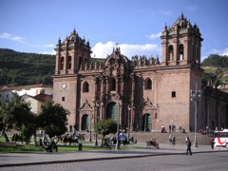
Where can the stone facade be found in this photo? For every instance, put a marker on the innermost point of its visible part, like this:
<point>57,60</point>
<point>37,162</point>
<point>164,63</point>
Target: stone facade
<point>140,94</point>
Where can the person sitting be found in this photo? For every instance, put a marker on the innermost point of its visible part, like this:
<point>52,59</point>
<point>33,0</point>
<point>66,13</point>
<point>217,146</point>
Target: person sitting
<point>106,144</point>
<point>48,148</point>
<point>154,143</point>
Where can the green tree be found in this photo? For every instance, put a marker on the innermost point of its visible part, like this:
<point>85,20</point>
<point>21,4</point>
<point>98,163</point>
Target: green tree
<point>29,128</point>
<point>53,119</point>
<point>15,112</point>
<point>105,127</point>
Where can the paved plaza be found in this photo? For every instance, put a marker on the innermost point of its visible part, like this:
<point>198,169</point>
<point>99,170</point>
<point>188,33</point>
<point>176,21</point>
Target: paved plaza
<point>20,159</point>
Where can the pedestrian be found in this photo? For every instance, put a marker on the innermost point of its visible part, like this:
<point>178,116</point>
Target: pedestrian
<point>189,144</point>
<point>212,143</point>
<point>170,139</point>
<point>174,140</point>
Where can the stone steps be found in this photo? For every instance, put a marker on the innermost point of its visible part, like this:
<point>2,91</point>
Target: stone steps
<point>162,137</point>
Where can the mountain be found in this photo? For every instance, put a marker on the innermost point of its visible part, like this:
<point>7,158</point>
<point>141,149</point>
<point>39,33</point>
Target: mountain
<point>20,68</point>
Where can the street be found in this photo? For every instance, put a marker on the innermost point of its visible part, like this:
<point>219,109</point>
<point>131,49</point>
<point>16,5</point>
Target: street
<point>198,161</point>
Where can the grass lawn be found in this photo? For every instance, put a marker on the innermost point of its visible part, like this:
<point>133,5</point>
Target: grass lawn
<point>12,147</point>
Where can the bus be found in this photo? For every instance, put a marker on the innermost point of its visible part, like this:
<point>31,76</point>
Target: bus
<point>221,138</point>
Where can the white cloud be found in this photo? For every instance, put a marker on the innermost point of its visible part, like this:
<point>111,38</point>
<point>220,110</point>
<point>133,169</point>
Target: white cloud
<point>49,45</point>
<point>154,36</point>
<point>220,51</point>
<point>12,37</point>
<point>101,50</point>
<point>49,52</point>
<point>203,57</point>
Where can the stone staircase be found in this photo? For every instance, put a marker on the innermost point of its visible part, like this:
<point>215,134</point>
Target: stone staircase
<point>162,138</point>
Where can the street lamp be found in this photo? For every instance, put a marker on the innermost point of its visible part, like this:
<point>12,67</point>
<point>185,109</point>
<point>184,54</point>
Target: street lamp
<point>195,95</point>
<point>128,132</point>
<point>97,118</point>
<point>96,142</point>
<point>90,136</point>
<point>117,137</point>
<point>118,132</point>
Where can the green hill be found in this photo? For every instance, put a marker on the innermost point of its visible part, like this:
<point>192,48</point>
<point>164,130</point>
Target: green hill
<point>19,68</point>
<point>215,70</point>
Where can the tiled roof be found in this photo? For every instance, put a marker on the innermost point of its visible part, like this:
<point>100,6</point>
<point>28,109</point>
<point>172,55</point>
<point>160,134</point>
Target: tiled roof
<point>24,87</point>
<point>43,97</point>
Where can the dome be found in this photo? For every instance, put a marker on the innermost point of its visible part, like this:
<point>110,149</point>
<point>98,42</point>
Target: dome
<point>75,38</point>
<point>117,56</point>
<point>181,22</point>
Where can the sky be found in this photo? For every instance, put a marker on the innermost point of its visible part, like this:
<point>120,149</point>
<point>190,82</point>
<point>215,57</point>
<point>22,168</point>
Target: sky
<point>133,25</point>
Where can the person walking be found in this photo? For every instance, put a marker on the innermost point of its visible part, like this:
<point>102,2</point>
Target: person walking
<point>212,143</point>
<point>189,144</point>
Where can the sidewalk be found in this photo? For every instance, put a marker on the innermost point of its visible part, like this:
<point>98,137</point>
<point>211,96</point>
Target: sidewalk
<point>16,159</point>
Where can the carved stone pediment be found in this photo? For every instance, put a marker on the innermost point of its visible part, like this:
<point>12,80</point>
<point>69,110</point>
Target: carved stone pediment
<point>86,106</point>
<point>148,105</point>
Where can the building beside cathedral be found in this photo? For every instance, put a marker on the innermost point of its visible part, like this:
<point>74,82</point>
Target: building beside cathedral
<point>141,94</point>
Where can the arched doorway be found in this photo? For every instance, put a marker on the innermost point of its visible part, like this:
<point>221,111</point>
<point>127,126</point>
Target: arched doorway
<point>85,122</point>
<point>112,111</point>
<point>147,122</point>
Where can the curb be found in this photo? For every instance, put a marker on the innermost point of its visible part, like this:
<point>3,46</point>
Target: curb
<point>101,158</point>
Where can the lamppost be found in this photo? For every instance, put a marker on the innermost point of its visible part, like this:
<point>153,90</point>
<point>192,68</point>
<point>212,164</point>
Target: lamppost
<point>90,136</point>
<point>96,142</point>
<point>118,132</point>
<point>128,132</point>
<point>195,95</point>
<point>97,118</point>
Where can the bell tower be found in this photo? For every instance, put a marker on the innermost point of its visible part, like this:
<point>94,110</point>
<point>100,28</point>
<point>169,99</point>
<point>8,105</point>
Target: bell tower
<point>181,44</point>
<point>72,54</point>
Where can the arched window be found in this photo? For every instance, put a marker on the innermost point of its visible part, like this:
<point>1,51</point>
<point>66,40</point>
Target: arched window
<point>61,63</point>
<point>170,56</point>
<point>148,84</point>
<point>69,62</point>
<point>112,84</point>
<point>85,87</point>
<point>181,52</point>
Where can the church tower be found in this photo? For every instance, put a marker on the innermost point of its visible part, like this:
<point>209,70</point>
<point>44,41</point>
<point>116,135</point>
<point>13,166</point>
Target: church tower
<point>72,54</point>
<point>181,43</point>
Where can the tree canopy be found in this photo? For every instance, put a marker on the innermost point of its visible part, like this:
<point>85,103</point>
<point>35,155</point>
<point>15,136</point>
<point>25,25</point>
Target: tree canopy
<point>53,119</point>
<point>20,68</point>
<point>15,112</point>
<point>105,127</point>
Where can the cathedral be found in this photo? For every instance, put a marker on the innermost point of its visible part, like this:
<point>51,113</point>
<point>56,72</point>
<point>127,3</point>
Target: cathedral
<point>141,94</point>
